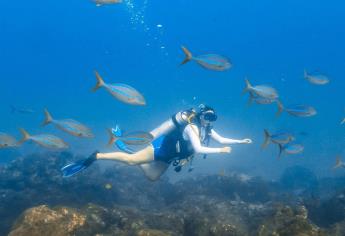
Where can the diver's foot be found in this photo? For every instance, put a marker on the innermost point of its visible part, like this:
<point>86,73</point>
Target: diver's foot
<point>74,168</point>
<point>91,159</point>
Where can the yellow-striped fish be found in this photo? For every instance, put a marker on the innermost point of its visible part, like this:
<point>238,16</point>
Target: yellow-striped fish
<point>262,91</point>
<point>70,126</point>
<point>122,92</point>
<point>296,110</point>
<point>106,2</point>
<point>108,186</point>
<point>339,163</point>
<point>209,61</point>
<point>44,140</point>
<point>7,141</point>
<point>316,79</point>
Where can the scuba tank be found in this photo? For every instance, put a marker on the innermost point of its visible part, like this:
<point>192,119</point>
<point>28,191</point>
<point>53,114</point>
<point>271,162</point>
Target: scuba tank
<point>183,118</point>
<point>177,121</point>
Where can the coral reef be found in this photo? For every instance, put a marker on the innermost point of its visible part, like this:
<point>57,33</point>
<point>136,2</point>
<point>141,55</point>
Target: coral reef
<point>117,200</point>
<point>212,218</point>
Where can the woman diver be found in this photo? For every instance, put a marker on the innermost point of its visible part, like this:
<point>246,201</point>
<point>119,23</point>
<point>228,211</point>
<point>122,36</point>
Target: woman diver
<point>175,142</point>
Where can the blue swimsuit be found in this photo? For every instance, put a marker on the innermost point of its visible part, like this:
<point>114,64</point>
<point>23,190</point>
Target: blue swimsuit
<point>166,147</point>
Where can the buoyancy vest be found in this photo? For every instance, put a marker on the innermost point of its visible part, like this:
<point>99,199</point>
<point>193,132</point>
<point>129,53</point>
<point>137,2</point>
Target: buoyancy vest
<point>173,146</point>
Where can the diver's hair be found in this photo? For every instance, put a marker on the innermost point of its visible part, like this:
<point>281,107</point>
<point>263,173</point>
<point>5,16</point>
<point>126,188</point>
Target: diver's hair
<point>192,116</point>
<point>203,110</point>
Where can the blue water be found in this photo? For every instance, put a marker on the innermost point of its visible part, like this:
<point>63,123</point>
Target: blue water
<point>49,50</point>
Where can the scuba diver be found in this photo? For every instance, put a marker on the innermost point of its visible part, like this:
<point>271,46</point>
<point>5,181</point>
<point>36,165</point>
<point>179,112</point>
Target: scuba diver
<point>175,142</point>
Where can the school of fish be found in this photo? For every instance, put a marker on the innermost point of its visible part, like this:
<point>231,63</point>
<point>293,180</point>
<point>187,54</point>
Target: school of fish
<point>258,94</point>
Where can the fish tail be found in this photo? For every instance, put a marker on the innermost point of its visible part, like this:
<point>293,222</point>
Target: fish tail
<point>47,117</point>
<point>281,149</point>
<point>100,82</point>
<point>305,73</point>
<point>267,138</point>
<point>188,55</point>
<point>338,163</point>
<point>25,136</point>
<point>250,99</point>
<point>280,108</point>
<point>112,137</point>
<point>114,134</point>
<point>117,131</point>
<point>248,85</point>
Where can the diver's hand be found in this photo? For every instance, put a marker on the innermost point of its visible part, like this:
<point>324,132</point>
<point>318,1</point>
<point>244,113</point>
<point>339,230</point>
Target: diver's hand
<point>226,150</point>
<point>246,141</point>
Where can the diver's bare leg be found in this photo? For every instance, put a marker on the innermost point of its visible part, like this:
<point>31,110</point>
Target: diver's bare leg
<point>154,169</point>
<point>143,156</point>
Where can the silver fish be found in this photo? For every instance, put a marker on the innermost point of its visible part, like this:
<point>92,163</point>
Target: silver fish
<point>45,140</point>
<point>106,2</point>
<point>122,92</point>
<point>259,100</point>
<point>15,109</point>
<point>290,148</point>
<point>7,141</point>
<point>133,138</point>
<point>339,163</point>
<point>342,122</point>
<point>137,138</point>
<point>262,91</point>
<point>208,61</point>
<point>278,138</point>
<point>317,79</point>
<point>70,126</point>
<point>297,110</point>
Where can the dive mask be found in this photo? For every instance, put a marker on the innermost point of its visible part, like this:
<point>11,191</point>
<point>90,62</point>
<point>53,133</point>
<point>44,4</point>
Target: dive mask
<point>209,116</point>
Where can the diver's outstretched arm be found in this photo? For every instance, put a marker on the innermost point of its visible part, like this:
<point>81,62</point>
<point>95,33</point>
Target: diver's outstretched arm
<point>141,157</point>
<point>193,135</point>
<point>223,140</point>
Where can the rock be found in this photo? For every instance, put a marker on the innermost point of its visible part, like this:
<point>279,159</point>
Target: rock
<point>8,155</point>
<point>154,232</point>
<point>285,221</point>
<point>300,181</point>
<point>330,211</point>
<point>233,204</point>
<point>94,219</point>
<point>337,229</point>
<point>91,220</point>
<point>42,220</point>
